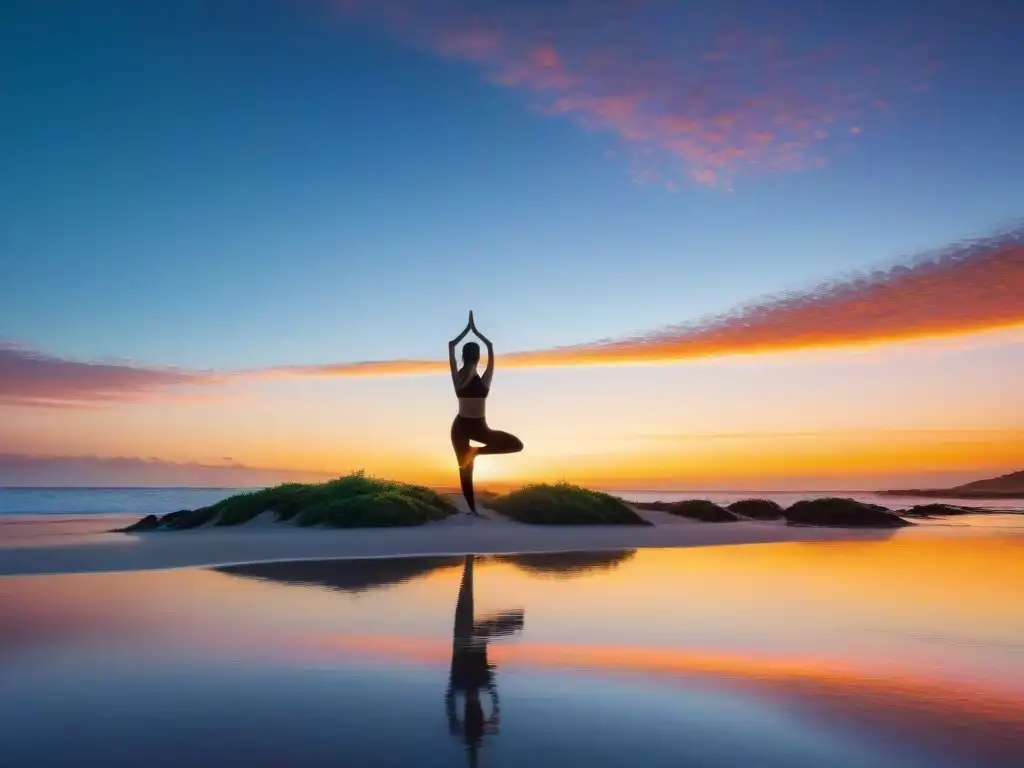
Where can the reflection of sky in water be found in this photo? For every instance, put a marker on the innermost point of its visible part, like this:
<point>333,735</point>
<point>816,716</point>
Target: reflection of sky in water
<point>880,653</point>
<point>122,713</point>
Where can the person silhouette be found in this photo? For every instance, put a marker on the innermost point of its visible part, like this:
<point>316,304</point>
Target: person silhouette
<point>471,674</point>
<point>471,424</point>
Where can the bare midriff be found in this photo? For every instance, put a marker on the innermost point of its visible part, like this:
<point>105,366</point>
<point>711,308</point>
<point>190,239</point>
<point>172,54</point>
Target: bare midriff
<point>472,407</point>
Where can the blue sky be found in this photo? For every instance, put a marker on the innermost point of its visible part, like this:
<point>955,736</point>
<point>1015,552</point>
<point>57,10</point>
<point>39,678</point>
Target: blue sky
<point>263,183</point>
<point>245,185</point>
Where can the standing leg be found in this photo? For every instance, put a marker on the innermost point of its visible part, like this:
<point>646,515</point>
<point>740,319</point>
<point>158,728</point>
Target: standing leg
<point>466,481</point>
<point>464,453</point>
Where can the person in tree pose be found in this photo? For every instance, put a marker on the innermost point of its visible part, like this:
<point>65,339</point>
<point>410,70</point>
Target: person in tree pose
<point>471,424</point>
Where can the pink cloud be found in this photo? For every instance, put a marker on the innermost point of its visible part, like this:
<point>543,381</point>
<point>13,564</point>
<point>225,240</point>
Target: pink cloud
<point>547,57</point>
<point>471,44</point>
<point>539,70</point>
<point>34,378</point>
<point>684,80</point>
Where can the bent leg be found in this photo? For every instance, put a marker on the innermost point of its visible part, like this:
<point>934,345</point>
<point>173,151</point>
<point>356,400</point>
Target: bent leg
<point>496,441</point>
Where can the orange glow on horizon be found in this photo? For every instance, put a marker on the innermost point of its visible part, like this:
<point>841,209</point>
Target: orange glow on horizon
<point>625,462</point>
<point>869,459</point>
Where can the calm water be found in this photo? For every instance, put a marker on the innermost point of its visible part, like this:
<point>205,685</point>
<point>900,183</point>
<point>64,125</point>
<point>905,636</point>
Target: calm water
<point>900,652</point>
<point>90,501</point>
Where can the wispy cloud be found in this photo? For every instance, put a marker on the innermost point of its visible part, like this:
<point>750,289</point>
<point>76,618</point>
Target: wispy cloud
<point>35,378</point>
<point>969,287</point>
<point>698,91</point>
<point>956,435</point>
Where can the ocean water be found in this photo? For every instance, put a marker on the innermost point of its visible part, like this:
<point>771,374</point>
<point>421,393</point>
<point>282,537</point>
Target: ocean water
<point>143,501</point>
<point>98,501</point>
<point>905,652</point>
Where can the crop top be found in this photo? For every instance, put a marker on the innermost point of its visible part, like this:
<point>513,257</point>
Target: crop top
<point>475,387</point>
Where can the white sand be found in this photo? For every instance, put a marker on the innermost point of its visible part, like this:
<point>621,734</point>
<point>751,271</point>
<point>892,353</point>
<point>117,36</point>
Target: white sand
<point>84,544</point>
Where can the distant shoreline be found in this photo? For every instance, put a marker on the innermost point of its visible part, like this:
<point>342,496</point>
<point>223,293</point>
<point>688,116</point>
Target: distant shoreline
<point>938,493</point>
<point>949,494</point>
<point>1009,486</point>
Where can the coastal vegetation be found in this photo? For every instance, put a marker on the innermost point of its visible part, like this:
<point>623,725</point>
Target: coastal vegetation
<point>564,504</point>
<point>352,501</point>
<point>360,501</point>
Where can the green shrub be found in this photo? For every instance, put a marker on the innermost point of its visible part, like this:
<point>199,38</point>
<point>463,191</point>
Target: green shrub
<point>385,509</point>
<point>564,504</point>
<point>285,500</point>
<point>353,501</point>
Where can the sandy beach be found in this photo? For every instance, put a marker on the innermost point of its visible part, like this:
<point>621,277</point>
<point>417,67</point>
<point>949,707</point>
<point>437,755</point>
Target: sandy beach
<point>36,545</point>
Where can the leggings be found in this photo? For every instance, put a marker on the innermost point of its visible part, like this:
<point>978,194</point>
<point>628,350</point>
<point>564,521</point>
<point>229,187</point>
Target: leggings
<point>494,441</point>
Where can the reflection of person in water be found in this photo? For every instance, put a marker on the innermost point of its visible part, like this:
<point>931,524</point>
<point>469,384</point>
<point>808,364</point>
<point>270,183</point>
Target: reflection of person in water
<point>471,675</point>
<point>471,424</point>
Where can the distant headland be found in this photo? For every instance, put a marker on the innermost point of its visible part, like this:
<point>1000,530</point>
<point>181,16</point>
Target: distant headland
<point>1009,486</point>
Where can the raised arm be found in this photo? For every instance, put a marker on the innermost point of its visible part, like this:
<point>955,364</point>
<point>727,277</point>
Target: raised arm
<point>489,372</point>
<point>452,364</point>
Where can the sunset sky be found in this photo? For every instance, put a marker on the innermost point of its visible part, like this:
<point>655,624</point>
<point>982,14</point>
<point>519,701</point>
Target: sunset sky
<point>717,245</point>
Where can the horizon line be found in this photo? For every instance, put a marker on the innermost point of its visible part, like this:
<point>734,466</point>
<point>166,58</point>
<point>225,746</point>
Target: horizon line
<point>435,487</point>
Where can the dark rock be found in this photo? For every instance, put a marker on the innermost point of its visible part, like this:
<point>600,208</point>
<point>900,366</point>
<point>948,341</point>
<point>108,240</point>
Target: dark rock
<point>703,510</point>
<point>877,507</point>
<point>657,506</point>
<point>695,509</point>
<point>168,520</point>
<point>935,510</point>
<point>758,509</point>
<point>844,513</point>
<point>148,523</point>
<point>188,518</point>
